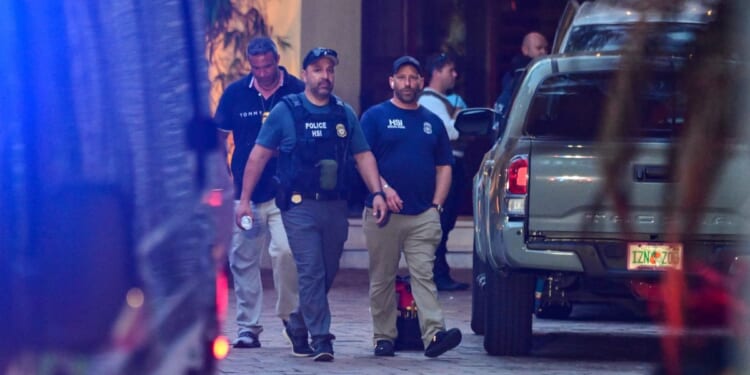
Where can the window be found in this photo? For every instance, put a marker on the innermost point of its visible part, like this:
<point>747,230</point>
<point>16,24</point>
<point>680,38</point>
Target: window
<point>663,38</point>
<point>573,106</point>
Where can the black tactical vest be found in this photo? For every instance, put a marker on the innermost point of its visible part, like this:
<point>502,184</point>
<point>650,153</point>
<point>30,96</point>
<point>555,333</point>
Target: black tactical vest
<point>318,161</point>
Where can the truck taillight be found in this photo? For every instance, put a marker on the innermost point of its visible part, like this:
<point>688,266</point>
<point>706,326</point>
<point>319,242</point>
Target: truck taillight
<point>516,186</point>
<point>518,175</point>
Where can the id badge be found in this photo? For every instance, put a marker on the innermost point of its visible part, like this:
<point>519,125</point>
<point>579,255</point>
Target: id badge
<point>263,117</point>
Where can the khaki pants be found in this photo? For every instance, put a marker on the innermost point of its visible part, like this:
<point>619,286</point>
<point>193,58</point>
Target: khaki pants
<point>244,261</point>
<point>416,236</point>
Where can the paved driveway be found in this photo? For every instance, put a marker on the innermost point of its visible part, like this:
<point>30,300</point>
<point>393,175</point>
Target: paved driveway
<point>602,346</point>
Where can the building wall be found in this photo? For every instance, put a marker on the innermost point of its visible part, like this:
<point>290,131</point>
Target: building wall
<point>336,24</point>
<point>297,26</point>
<point>283,18</point>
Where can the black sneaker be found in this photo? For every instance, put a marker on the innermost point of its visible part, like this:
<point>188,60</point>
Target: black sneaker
<point>442,342</point>
<point>384,348</point>
<point>246,339</point>
<point>300,346</point>
<point>323,348</point>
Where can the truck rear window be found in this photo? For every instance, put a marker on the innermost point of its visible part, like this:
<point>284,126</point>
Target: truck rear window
<point>663,38</point>
<point>573,105</point>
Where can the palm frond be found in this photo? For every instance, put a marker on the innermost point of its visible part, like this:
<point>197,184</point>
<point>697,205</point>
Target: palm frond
<point>217,12</point>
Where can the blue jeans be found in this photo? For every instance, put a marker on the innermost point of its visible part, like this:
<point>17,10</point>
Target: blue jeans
<point>317,231</point>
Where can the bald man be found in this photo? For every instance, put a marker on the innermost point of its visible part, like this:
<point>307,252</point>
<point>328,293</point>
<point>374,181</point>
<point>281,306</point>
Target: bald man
<point>534,45</point>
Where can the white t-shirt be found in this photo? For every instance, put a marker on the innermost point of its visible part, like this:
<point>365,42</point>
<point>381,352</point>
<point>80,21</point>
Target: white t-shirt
<point>436,106</point>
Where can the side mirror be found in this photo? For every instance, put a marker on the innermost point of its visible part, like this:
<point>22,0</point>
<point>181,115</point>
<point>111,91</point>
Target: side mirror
<point>475,121</point>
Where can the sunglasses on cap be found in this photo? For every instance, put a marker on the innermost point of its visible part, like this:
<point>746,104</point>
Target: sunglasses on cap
<point>319,52</point>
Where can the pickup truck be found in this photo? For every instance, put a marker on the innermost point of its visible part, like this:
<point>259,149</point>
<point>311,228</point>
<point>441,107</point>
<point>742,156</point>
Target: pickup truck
<point>557,202</point>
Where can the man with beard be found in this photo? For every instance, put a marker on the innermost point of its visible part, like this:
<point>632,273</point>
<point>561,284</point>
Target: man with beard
<point>242,109</point>
<point>316,135</point>
<point>413,152</point>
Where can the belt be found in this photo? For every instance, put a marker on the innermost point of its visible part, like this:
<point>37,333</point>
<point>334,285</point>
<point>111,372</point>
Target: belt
<point>322,196</point>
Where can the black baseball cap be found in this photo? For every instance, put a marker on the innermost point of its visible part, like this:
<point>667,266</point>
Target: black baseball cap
<point>406,60</point>
<point>318,53</point>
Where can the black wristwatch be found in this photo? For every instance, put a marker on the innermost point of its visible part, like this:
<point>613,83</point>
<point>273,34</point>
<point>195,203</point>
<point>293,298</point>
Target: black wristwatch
<point>380,193</point>
<point>438,207</point>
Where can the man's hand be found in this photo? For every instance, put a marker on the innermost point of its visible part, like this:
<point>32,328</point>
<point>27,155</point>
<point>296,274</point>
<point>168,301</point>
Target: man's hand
<point>393,200</point>
<point>243,209</point>
<point>379,208</point>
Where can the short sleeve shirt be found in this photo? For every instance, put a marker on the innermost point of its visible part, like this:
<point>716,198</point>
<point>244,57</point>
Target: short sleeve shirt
<point>279,129</point>
<point>240,111</point>
<point>437,106</point>
<point>408,146</point>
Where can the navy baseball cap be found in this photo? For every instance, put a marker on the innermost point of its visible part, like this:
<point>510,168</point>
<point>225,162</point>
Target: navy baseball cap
<point>318,53</point>
<point>406,60</point>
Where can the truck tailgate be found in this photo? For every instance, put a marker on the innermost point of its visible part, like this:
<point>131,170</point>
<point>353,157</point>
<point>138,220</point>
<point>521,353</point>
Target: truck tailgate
<point>566,183</point>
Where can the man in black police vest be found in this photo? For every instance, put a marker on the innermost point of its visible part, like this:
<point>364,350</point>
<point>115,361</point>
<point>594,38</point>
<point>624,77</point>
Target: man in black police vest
<point>316,134</point>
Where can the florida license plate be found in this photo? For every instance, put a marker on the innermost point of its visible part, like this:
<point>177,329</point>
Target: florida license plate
<point>654,256</point>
